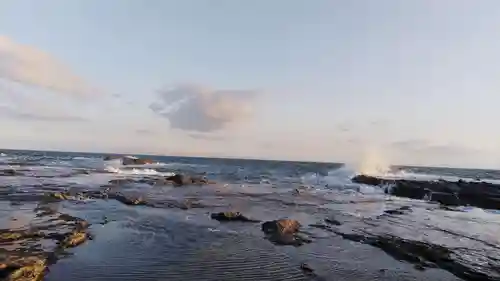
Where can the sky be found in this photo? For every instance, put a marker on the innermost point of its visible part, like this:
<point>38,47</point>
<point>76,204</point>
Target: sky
<point>402,82</point>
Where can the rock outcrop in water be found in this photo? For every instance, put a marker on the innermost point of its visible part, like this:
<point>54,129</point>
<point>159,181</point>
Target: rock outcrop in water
<point>25,253</point>
<point>180,180</point>
<point>130,160</point>
<point>479,194</point>
<point>231,216</point>
<point>284,232</point>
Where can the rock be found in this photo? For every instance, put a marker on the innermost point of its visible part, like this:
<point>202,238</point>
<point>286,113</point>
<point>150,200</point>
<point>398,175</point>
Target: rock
<point>332,221</point>
<point>306,269</point>
<point>128,201</point>
<point>74,239</point>
<point>231,216</point>
<point>281,226</point>
<point>363,179</point>
<point>460,193</point>
<point>26,252</point>
<point>398,211</point>
<point>60,196</point>
<point>284,232</point>
<point>22,268</point>
<point>180,180</point>
<point>130,160</point>
<point>120,181</point>
<point>8,172</point>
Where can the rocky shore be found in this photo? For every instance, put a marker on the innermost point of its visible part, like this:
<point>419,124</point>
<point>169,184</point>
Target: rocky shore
<point>460,193</point>
<point>39,226</point>
<point>27,251</point>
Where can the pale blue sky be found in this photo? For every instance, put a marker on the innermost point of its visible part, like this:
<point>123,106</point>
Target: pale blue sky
<point>412,81</point>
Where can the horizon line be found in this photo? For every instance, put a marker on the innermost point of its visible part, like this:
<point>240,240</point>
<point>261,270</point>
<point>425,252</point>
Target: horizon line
<point>237,158</point>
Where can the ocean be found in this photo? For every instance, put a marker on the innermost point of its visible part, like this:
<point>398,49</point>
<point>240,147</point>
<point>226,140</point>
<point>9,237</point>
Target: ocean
<point>352,231</point>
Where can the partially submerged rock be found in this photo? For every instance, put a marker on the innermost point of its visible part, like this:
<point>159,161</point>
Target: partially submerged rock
<point>17,267</point>
<point>474,193</point>
<point>8,172</point>
<point>180,179</point>
<point>25,253</point>
<point>126,200</point>
<point>284,232</point>
<point>231,216</point>
<point>130,160</point>
<point>74,239</point>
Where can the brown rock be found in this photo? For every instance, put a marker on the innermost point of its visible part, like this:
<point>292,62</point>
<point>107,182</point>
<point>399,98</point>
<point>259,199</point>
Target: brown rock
<point>281,226</point>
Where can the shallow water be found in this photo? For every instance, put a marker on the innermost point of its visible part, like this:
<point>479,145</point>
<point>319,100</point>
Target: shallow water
<point>164,241</point>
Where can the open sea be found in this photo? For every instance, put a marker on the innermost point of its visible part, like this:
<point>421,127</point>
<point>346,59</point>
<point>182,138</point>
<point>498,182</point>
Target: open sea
<point>166,240</point>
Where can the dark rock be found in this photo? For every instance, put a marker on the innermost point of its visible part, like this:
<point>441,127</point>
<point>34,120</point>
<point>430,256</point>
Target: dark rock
<point>398,211</point>
<point>121,181</point>
<point>128,201</point>
<point>332,221</point>
<point>447,199</point>
<point>421,254</point>
<point>136,161</point>
<point>306,269</point>
<point>180,180</point>
<point>479,194</point>
<point>108,158</point>
<point>363,179</point>
<point>8,172</point>
<point>231,216</point>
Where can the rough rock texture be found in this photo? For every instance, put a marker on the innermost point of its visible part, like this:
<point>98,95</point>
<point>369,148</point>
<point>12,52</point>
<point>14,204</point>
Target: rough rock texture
<point>479,194</point>
<point>284,232</point>
<point>231,216</point>
<point>180,179</point>
<point>25,253</point>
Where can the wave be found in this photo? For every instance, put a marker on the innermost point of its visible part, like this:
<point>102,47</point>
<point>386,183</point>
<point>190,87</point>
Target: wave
<point>136,171</point>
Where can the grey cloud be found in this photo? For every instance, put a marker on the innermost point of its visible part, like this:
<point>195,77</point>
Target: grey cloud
<point>30,66</point>
<point>203,136</point>
<point>145,132</point>
<point>419,145</point>
<point>202,110</point>
<point>18,114</point>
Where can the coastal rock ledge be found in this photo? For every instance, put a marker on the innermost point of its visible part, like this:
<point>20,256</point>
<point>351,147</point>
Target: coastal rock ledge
<point>459,193</point>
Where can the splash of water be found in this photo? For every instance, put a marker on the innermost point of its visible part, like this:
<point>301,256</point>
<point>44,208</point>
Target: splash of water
<point>373,163</point>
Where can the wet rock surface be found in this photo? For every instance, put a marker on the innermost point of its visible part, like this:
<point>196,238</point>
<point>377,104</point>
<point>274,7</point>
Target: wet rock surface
<point>231,216</point>
<point>284,232</point>
<point>474,193</point>
<point>26,251</point>
<point>147,228</point>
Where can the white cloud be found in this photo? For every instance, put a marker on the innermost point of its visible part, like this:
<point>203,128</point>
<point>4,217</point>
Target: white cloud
<point>197,109</point>
<point>30,66</point>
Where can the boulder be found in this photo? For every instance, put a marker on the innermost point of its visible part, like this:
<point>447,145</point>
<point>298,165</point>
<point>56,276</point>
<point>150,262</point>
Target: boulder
<point>284,232</point>
<point>180,179</point>
<point>129,160</point>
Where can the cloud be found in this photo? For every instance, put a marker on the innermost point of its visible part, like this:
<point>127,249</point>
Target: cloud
<point>30,66</point>
<point>23,115</point>
<point>204,136</point>
<point>424,152</point>
<point>196,109</point>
